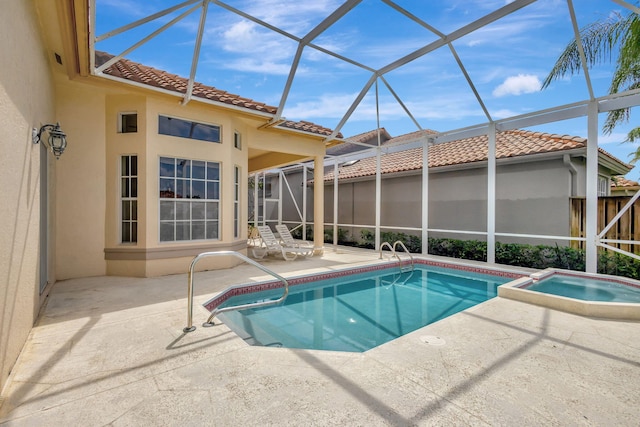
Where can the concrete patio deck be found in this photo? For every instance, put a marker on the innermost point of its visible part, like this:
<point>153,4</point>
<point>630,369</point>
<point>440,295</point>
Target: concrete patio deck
<point>111,351</point>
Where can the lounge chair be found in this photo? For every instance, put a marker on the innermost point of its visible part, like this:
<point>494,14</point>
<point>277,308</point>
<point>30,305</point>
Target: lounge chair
<point>287,239</point>
<point>270,245</point>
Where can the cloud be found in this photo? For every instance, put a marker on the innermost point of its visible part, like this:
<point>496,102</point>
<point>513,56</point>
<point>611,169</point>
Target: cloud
<point>335,105</point>
<point>328,105</point>
<point>517,85</point>
<point>296,20</point>
<point>504,113</point>
<point>246,47</point>
<point>615,138</point>
<point>252,65</point>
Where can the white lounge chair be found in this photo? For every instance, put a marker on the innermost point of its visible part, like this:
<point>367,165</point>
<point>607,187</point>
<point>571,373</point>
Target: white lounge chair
<point>287,239</point>
<point>270,245</point>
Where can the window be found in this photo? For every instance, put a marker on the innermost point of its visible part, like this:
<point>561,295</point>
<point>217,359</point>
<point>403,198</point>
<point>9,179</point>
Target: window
<point>186,129</point>
<point>129,199</point>
<point>603,186</point>
<point>267,187</point>
<point>237,143</point>
<point>189,199</point>
<point>128,123</point>
<point>236,202</point>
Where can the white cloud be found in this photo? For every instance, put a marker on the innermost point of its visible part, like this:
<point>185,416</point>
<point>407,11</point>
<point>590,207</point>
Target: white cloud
<point>328,105</point>
<point>335,105</point>
<point>517,85</point>
<point>613,138</point>
<point>252,65</point>
<point>246,47</point>
<point>504,114</point>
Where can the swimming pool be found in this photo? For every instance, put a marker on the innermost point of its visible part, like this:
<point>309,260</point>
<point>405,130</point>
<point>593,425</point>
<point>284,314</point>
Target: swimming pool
<point>356,311</point>
<point>580,293</point>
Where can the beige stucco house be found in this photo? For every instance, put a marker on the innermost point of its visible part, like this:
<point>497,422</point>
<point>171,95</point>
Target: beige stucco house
<point>146,182</point>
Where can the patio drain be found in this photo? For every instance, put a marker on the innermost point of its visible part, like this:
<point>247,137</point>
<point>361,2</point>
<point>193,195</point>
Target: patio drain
<point>432,340</point>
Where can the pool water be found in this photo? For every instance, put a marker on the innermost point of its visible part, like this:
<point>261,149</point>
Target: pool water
<point>359,312</point>
<point>587,289</point>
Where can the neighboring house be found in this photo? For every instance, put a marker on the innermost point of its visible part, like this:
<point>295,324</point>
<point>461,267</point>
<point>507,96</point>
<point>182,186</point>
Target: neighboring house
<point>537,174</point>
<point>149,178</point>
<point>621,186</point>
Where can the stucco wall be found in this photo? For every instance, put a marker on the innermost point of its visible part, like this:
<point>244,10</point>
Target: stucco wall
<point>26,101</point>
<point>80,181</point>
<point>457,201</point>
<point>531,198</point>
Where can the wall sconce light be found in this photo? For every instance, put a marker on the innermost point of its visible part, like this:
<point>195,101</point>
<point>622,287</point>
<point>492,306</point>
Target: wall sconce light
<point>57,140</point>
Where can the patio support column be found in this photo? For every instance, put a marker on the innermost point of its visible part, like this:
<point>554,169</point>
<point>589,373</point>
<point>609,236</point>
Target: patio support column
<point>304,202</point>
<point>318,205</point>
<point>335,203</point>
<point>378,195</point>
<point>425,195</point>
<point>281,178</point>
<point>256,208</point>
<point>491,194</point>
<point>591,232</point>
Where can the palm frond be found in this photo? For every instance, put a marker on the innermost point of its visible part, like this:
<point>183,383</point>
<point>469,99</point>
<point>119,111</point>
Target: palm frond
<point>598,39</point>
<point>633,136</point>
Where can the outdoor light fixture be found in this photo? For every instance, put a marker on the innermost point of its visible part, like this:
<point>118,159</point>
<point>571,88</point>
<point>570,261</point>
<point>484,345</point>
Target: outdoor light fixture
<point>57,140</point>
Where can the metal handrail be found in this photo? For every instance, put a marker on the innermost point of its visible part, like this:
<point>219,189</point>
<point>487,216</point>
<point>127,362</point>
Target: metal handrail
<point>405,249</point>
<point>394,254</point>
<point>190,327</point>
<point>387,244</point>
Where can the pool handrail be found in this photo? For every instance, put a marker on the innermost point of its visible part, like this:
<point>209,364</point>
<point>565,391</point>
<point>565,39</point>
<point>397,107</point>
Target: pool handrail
<point>215,312</point>
<point>387,244</point>
<point>394,253</point>
<point>406,250</point>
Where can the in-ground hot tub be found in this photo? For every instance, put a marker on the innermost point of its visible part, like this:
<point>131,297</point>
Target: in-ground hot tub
<point>586,294</point>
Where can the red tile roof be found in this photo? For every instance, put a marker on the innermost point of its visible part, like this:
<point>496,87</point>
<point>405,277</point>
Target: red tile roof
<point>512,143</point>
<point>622,182</point>
<point>138,73</point>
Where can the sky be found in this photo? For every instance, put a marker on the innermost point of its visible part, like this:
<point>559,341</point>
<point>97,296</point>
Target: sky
<point>506,61</point>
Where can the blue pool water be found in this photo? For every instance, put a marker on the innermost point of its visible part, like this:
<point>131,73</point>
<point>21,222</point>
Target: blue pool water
<point>586,288</point>
<point>359,312</point>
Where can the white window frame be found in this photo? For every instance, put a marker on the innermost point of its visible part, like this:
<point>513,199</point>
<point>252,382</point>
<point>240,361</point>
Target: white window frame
<point>129,198</point>
<point>237,140</point>
<point>604,186</point>
<point>120,121</point>
<point>219,141</point>
<point>209,205</point>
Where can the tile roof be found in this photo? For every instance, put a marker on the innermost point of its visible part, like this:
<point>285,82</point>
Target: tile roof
<point>622,182</point>
<point>307,127</point>
<point>365,137</point>
<point>370,138</point>
<point>138,73</point>
<point>509,144</point>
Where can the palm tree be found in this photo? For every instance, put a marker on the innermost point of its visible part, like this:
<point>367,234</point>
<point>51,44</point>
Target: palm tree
<point>618,35</point>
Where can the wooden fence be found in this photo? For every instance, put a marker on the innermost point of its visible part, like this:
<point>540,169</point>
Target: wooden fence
<point>626,228</point>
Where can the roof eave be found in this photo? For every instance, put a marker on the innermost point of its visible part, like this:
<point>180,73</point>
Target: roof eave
<point>181,95</point>
<point>244,110</point>
<point>617,167</point>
